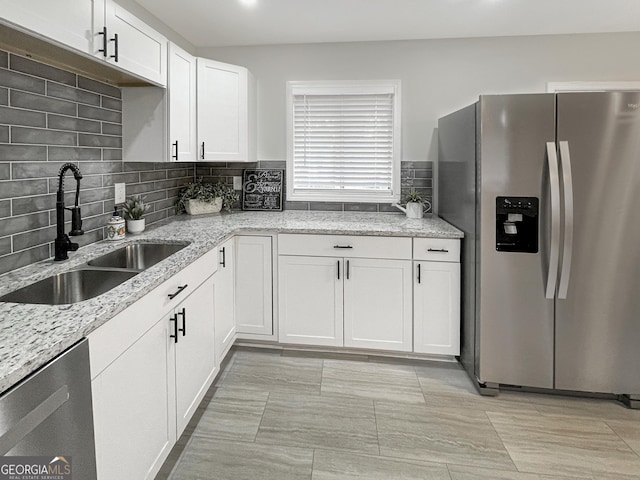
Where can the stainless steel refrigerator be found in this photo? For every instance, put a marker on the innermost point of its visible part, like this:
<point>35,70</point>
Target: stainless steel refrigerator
<point>545,187</point>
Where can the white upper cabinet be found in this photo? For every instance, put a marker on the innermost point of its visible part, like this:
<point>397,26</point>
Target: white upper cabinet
<point>182,105</point>
<point>98,28</point>
<point>225,124</point>
<point>126,41</point>
<point>67,22</point>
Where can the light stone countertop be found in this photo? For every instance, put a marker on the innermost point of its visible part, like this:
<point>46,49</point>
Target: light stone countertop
<point>32,335</point>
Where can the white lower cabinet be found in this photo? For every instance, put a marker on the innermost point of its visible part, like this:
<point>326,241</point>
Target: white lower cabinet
<point>224,281</point>
<point>254,285</point>
<point>150,367</point>
<point>195,360</point>
<point>134,410</point>
<point>377,304</point>
<point>353,301</point>
<point>436,306</point>
<point>310,300</point>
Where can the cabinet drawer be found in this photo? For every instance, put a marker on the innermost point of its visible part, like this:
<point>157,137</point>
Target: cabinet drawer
<point>192,276</point>
<point>352,246</point>
<point>436,249</point>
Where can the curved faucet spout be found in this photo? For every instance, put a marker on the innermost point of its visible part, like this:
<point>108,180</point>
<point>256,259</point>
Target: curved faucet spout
<point>63,244</point>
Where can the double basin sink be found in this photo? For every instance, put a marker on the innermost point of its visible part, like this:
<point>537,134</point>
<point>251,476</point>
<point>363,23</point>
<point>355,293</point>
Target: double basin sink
<point>98,276</point>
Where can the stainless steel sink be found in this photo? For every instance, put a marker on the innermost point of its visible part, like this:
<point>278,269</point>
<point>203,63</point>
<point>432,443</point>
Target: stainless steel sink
<point>137,256</point>
<point>69,287</point>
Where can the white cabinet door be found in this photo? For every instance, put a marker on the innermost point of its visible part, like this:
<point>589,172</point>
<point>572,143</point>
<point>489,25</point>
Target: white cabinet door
<point>225,323</point>
<point>182,105</point>
<point>254,285</point>
<point>134,409</point>
<point>436,300</point>
<point>223,116</point>
<point>310,300</point>
<point>195,358</point>
<point>132,44</point>
<point>68,22</point>
<point>377,304</point>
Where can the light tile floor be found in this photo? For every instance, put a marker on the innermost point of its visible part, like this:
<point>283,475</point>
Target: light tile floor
<point>287,415</point>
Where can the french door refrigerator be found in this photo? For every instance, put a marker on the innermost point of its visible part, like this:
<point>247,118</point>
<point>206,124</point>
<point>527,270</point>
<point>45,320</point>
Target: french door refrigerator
<point>545,187</point>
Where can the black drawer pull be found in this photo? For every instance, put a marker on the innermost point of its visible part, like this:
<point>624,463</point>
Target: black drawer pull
<point>184,321</point>
<point>103,50</point>
<point>440,250</point>
<point>418,273</point>
<point>347,269</point>
<point>178,292</point>
<point>342,246</point>
<point>338,269</point>
<point>175,157</point>
<point>115,40</point>
<point>174,319</point>
<point>224,257</point>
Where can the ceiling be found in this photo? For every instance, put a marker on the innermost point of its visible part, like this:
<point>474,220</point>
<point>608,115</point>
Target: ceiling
<point>211,23</point>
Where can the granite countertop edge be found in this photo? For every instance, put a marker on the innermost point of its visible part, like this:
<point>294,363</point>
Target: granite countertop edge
<point>32,335</point>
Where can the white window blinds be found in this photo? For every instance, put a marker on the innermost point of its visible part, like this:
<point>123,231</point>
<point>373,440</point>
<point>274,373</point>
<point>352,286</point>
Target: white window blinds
<point>343,142</point>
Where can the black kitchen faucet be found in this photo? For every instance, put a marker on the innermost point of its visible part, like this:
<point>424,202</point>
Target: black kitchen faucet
<point>63,244</point>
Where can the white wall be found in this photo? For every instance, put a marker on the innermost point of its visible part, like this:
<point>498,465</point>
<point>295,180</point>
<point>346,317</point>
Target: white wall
<point>438,76</point>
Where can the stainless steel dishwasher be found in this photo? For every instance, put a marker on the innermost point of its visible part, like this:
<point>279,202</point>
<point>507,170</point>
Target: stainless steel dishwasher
<point>49,414</point>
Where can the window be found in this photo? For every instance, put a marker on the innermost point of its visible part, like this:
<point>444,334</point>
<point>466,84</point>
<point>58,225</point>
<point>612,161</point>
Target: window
<point>343,141</point>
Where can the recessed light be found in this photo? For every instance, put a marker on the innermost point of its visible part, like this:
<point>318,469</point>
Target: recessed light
<point>248,3</point>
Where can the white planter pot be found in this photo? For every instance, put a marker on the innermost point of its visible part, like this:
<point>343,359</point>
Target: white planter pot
<point>415,210</point>
<point>135,226</point>
<point>198,207</point>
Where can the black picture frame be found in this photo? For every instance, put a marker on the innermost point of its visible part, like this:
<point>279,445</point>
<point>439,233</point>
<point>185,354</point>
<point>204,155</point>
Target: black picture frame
<point>262,189</point>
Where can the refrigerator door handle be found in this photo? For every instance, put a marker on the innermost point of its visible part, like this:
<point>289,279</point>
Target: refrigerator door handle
<point>554,257</point>
<point>567,248</point>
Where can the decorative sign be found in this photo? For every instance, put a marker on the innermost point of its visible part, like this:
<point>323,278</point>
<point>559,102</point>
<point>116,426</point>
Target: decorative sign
<point>262,189</point>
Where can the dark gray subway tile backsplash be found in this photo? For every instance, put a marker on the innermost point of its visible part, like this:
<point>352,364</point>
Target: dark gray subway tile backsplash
<point>48,117</point>
<point>414,176</point>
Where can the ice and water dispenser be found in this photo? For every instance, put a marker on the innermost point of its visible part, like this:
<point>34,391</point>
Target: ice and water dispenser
<point>517,224</point>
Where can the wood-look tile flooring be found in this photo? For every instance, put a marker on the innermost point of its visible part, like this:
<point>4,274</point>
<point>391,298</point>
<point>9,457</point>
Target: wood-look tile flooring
<point>281,415</point>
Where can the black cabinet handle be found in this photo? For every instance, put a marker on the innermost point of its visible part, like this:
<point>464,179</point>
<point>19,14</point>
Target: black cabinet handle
<point>202,156</point>
<point>342,246</point>
<point>174,319</point>
<point>224,258</point>
<point>175,156</point>
<point>178,292</point>
<point>115,41</point>
<point>347,269</point>
<point>418,273</point>
<point>183,313</point>
<point>338,269</point>
<point>440,250</point>
<point>103,50</point>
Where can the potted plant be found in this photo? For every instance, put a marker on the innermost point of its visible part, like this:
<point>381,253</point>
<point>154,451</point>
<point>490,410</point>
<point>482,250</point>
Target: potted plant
<point>134,209</point>
<point>415,205</point>
<point>201,197</point>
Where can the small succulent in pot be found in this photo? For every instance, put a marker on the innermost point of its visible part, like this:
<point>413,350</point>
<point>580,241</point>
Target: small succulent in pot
<point>415,205</point>
<point>134,208</point>
<point>216,195</point>
<point>413,196</point>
